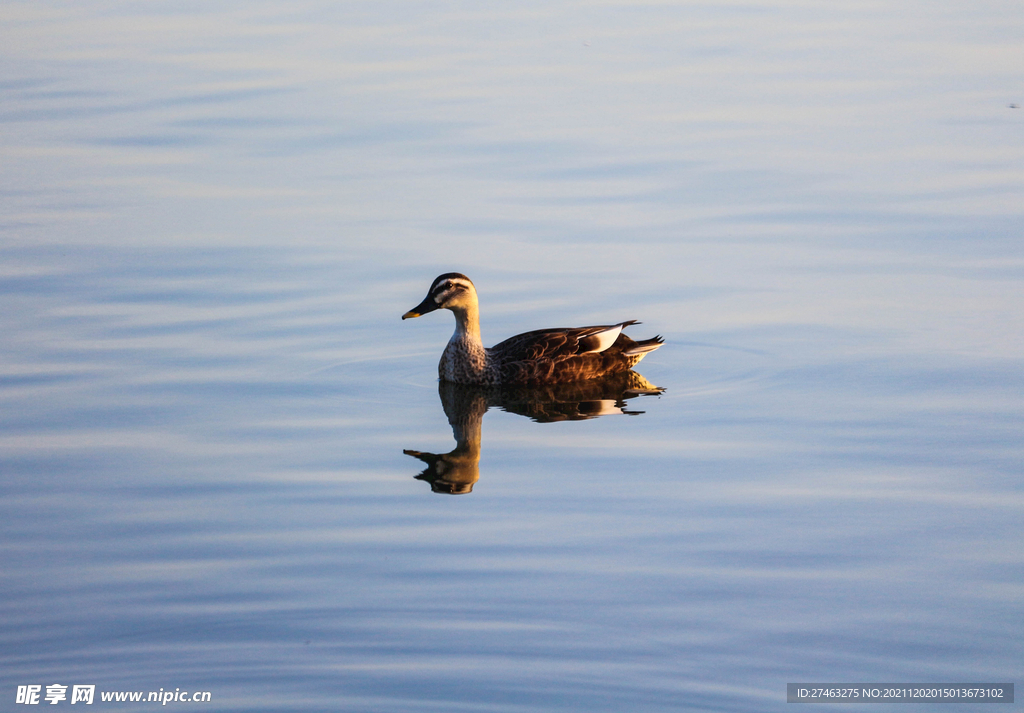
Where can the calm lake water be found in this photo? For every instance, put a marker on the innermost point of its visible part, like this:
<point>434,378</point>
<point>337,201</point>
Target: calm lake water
<point>214,215</point>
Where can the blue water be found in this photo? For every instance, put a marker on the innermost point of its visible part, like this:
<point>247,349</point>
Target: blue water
<point>214,216</point>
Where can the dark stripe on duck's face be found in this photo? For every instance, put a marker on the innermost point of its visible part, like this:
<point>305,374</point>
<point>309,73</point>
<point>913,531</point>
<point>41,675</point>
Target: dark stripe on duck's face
<point>447,279</point>
<point>444,291</point>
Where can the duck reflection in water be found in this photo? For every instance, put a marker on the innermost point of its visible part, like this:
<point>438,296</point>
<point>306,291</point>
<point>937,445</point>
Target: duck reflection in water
<point>456,472</point>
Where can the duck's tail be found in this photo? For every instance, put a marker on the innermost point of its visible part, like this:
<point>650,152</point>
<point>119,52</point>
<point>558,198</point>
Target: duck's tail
<point>642,348</point>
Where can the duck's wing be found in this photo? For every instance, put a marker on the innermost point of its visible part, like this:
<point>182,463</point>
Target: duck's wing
<point>544,344</point>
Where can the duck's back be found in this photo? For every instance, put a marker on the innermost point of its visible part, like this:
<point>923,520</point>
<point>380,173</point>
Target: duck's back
<point>558,356</point>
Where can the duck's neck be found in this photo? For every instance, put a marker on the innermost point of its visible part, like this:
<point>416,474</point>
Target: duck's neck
<point>467,324</point>
<point>465,360</point>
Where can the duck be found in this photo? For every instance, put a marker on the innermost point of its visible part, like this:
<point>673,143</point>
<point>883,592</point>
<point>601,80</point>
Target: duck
<point>543,356</point>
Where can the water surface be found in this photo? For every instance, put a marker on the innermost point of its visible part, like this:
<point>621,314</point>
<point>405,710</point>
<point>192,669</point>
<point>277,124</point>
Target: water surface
<point>215,216</point>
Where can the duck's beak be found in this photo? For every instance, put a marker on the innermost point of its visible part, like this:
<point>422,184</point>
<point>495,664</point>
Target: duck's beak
<point>427,305</point>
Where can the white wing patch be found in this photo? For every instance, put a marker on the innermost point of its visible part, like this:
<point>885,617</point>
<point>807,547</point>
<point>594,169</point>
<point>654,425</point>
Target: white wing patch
<point>605,338</point>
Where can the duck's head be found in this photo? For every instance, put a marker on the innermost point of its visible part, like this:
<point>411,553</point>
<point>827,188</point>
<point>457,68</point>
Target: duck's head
<point>452,290</point>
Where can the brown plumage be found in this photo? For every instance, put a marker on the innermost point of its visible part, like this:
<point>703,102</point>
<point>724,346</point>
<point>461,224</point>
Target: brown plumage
<point>544,356</point>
